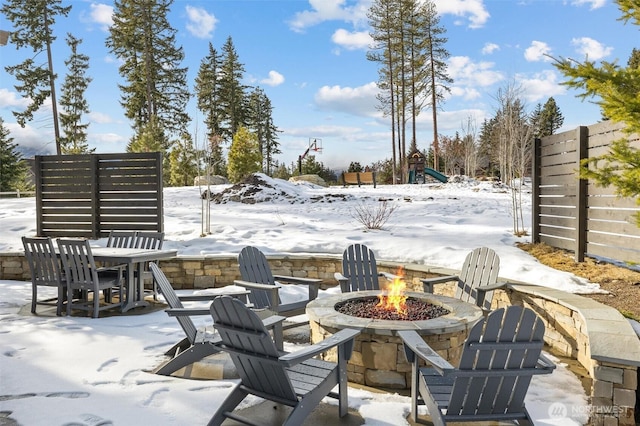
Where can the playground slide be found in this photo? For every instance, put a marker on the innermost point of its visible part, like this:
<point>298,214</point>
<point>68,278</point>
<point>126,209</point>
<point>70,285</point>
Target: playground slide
<point>439,176</point>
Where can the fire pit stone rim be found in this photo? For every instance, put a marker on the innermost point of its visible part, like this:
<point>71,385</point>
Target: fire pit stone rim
<point>461,317</point>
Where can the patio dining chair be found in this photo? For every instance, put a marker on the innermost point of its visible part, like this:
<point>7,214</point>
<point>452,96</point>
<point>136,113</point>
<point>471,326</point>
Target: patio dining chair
<point>85,277</point>
<point>45,269</point>
<point>121,239</point>
<point>149,240</point>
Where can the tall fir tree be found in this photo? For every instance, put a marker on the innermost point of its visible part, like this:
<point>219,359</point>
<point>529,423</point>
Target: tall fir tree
<point>12,166</point>
<point>207,91</point>
<point>233,99</point>
<point>260,122</point>
<point>33,23</point>
<point>73,102</point>
<point>155,85</point>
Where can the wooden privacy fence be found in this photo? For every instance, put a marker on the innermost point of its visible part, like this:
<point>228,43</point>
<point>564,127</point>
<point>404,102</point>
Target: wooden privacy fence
<point>91,194</point>
<point>575,214</point>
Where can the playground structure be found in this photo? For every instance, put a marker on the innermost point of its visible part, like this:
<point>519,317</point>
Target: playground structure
<point>418,169</point>
<point>315,144</point>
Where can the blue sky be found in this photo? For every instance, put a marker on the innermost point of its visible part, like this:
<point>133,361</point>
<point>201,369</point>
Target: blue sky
<point>309,57</point>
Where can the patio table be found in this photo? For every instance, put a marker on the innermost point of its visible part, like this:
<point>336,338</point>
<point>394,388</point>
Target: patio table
<point>134,259</point>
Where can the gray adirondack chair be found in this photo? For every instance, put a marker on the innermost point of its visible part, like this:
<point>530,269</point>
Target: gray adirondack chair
<point>477,280</point>
<point>359,270</point>
<point>197,343</point>
<point>264,286</point>
<point>499,358</point>
<point>293,379</point>
<point>45,269</point>
<point>85,277</point>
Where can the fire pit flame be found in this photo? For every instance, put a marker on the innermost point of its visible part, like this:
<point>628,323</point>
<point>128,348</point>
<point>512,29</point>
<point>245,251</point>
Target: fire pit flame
<point>394,299</point>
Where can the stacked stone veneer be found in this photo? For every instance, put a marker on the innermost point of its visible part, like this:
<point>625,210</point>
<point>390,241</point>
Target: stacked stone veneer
<point>597,336</point>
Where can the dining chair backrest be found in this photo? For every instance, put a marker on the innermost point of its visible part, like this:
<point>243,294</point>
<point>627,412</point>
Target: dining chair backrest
<point>43,261</point>
<point>122,239</point>
<point>149,240</point>
<point>44,267</point>
<point>79,264</point>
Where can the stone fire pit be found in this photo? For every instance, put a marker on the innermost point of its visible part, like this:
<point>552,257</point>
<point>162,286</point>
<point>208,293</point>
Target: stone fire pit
<point>378,357</point>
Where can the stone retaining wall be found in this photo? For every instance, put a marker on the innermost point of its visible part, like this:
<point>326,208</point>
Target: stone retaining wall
<point>597,336</point>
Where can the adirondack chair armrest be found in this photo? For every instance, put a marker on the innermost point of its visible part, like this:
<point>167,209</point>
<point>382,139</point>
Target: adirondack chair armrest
<point>272,290</point>
<point>427,283</point>
<point>343,337</point>
<point>390,276</point>
<point>414,345</point>
<point>239,294</point>
<point>491,287</point>
<point>313,283</point>
<point>343,281</point>
<point>297,280</point>
<point>187,312</point>
<point>545,365</point>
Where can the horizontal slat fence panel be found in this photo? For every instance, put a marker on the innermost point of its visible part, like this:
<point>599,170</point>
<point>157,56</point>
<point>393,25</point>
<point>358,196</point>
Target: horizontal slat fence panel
<point>90,195</point>
<point>576,215</point>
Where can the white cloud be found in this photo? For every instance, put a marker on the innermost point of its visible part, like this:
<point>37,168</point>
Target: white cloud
<point>102,14</point>
<point>541,86</point>
<point>537,51</point>
<point>329,10</point>
<point>595,4</point>
<point>201,23</point>
<point>590,48</point>
<point>274,79</point>
<point>468,74</point>
<point>473,10</point>
<point>40,140</point>
<point>360,101</point>
<point>9,99</point>
<point>352,40</point>
<point>100,118</point>
<point>101,139</point>
<point>489,48</point>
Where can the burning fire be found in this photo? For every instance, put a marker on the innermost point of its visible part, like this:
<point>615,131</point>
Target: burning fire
<point>394,299</point>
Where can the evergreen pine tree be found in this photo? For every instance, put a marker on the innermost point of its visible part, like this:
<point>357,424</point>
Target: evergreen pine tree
<point>183,162</point>
<point>244,155</point>
<point>155,85</point>
<point>73,102</point>
<point>12,167</point>
<point>233,99</point>
<point>260,122</point>
<point>33,22</point>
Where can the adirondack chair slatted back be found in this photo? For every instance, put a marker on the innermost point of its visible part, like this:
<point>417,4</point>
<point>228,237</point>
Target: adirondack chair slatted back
<point>252,350</point>
<point>45,269</point>
<point>510,339</point>
<point>149,240</point>
<point>121,239</point>
<point>359,266</point>
<point>480,267</point>
<point>170,296</point>
<point>255,268</point>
